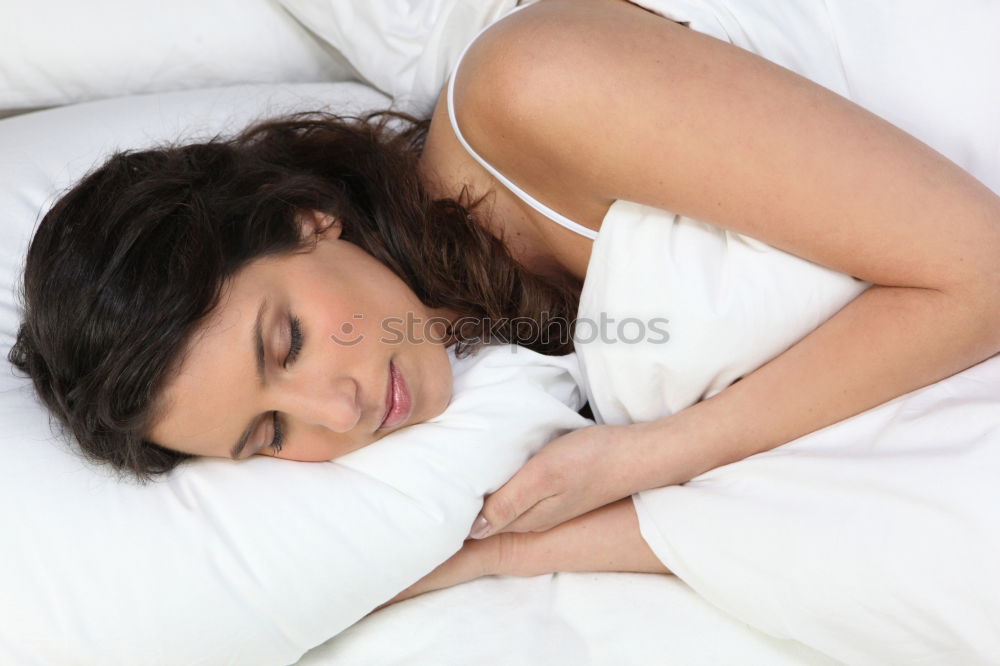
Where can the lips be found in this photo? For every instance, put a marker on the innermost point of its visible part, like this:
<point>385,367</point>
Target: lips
<point>398,403</point>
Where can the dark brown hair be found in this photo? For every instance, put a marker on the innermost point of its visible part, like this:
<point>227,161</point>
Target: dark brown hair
<point>127,263</point>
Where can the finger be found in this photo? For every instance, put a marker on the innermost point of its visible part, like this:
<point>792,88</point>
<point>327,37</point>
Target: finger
<point>513,499</point>
<point>540,518</point>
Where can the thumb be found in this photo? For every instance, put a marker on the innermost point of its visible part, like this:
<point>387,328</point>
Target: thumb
<point>504,506</point>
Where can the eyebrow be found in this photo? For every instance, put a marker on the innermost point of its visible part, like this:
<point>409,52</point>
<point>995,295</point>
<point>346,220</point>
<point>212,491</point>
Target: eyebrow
<point>257,340</point>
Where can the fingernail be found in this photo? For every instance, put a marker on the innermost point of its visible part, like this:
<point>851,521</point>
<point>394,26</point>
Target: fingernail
<point>480,528</point>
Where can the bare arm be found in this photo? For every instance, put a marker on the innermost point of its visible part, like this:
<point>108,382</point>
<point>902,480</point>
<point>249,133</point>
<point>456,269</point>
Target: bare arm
<point>606,539</point>
<point>604,101</point>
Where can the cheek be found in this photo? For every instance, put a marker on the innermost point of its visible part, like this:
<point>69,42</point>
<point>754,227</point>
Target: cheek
<point>320,449</point>
<point>355,329</point>
<point>309,455</point>
<point>339,318</point>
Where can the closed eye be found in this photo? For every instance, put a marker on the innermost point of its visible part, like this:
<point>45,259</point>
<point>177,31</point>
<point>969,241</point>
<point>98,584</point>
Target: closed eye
<point>295,346</point>
<point>279,434</point>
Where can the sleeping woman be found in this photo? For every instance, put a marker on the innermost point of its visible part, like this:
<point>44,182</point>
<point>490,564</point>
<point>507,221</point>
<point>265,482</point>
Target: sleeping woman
<point>291,291</point>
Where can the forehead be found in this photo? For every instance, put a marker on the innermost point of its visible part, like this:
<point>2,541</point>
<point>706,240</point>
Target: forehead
<point>214,374</point>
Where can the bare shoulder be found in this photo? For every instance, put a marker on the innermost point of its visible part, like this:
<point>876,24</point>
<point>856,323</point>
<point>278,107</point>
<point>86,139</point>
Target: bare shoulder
<point>532,81</point>
<point>600,100</point>
<point>525,56</point>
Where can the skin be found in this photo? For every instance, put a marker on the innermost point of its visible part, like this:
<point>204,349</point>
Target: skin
<point>332,398</point>
<point>601,101</point>
<point>606,539</point>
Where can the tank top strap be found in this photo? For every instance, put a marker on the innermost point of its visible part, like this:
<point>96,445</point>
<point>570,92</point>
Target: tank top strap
<point>561,220</point>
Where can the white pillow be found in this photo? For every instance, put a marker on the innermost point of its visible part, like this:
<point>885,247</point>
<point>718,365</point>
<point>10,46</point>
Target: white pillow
<point>246,563</point>
<point>55,52</point>
<point>675,310</point>
<point>405,48</point>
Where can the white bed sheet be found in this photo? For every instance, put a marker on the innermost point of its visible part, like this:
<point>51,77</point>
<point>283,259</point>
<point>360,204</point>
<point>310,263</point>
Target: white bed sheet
<point>567,619</point>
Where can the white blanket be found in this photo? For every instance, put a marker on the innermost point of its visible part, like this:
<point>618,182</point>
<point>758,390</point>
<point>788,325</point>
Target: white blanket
<point>874,540</point>
<point>576,619</point>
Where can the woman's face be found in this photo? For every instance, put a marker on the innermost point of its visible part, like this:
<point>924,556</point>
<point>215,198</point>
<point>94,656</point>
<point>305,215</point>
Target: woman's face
<point>330,342</point>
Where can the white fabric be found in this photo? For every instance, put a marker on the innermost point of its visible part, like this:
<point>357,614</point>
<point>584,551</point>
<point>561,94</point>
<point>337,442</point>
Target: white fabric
<point>251,562</point>
<point>566,619</point>
<point>55,52</point>
<point>706,304</point>
<point>873,540</point>
<point>405,48</point>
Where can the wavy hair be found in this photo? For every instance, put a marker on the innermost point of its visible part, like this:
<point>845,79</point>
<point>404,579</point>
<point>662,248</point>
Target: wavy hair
<point>126,264</point>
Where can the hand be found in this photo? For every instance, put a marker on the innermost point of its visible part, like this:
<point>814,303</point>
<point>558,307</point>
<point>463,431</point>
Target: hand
<point>573,474</point>
<point>606,539</point>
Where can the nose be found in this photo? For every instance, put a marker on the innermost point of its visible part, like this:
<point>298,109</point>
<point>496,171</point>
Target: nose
<point>330,403</point>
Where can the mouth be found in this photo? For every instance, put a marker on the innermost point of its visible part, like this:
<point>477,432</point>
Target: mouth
<point>398,403</point>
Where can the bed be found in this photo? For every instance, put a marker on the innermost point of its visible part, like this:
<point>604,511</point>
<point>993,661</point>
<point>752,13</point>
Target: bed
<point>139,72</point>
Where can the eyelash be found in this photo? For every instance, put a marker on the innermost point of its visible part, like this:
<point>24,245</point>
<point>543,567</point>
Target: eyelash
<point>293,352</point>
<point>279,434</point>
<point>296,345</point>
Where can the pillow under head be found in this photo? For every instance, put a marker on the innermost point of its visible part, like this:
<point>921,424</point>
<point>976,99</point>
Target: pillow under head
<point>251,562</point>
